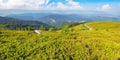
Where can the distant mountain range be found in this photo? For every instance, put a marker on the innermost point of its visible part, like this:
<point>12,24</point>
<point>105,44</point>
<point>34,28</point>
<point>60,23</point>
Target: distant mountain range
<point>14,23</point>
<point>59,20</point>
<point>29,16</point>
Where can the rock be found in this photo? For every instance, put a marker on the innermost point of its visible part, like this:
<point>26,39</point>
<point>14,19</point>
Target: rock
<point>38,31</point>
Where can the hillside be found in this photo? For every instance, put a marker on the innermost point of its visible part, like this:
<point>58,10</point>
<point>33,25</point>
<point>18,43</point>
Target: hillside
<point>75,43</point>
<point>14,23</point>
<point>67,17</point>
<point>105,25</point>
<point>59,20</point>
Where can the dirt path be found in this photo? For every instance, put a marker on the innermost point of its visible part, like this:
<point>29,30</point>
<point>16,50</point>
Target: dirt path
<point>88,27</point>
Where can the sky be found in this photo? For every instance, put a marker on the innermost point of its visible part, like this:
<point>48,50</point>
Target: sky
<point>19,6</point>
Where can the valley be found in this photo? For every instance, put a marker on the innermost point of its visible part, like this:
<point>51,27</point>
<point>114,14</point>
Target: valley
<point>59,20</point>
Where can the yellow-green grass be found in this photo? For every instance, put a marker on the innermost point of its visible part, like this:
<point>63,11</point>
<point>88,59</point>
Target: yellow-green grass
<point>105,25</point>
<point>101,43</point>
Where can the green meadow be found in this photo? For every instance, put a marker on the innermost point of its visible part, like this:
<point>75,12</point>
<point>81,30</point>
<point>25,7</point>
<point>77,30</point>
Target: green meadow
<point>87,41</point>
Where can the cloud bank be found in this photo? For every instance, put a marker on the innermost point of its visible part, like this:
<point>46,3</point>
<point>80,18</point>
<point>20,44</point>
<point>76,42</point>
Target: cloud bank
<point>48,5</point>
<point>22,4</point>
<point>38,5</point>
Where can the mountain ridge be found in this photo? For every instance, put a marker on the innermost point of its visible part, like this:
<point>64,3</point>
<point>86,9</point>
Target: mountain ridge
<point>15,23</point>
<point>58,20</point>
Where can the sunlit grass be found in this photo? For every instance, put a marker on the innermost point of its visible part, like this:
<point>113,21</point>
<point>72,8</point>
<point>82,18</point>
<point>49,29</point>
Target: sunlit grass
<point>101,43</point>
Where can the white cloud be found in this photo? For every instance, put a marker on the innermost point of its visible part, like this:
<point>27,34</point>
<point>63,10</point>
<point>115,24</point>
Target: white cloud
<point>106,7</point>
<point>62,6</point>
<point>69,5</point>
<point>73,3</point>
<point>39,5</point>
<point>22,4</point>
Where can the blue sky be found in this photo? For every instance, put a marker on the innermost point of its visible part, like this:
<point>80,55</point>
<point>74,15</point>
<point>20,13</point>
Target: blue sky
<point>111,6</point>
<point>97,1</point>
<point>88,1</point>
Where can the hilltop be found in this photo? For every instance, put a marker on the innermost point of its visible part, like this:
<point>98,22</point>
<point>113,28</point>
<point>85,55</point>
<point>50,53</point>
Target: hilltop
<point>78,42</point>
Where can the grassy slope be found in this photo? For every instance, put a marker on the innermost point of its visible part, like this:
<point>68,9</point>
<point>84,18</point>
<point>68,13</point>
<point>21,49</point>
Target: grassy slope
<point>101,43</point>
